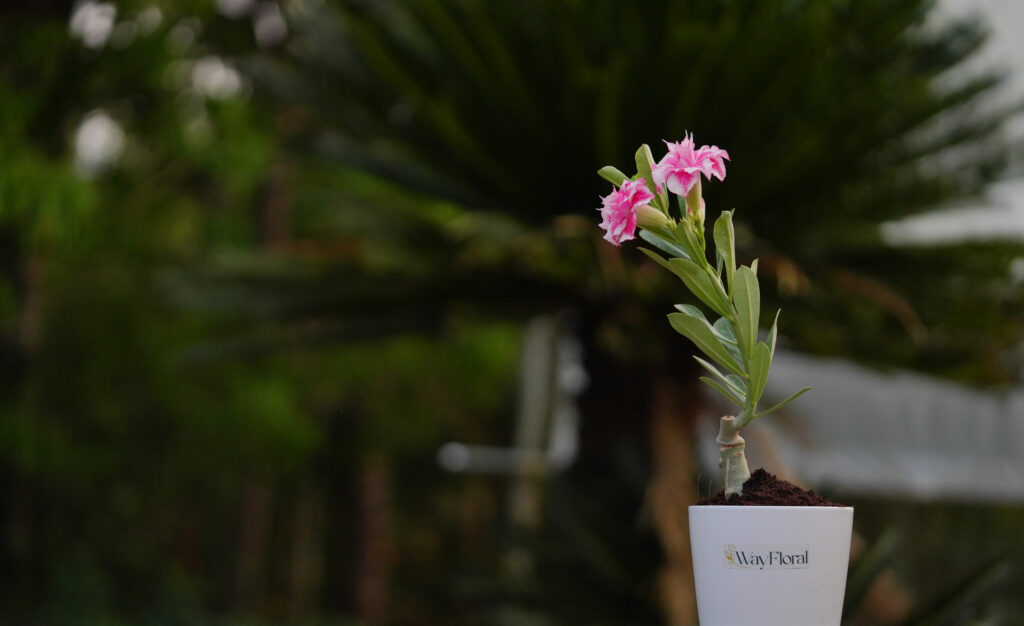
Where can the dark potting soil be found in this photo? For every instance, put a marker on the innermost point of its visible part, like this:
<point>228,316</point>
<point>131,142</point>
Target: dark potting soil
<point>764,489</point>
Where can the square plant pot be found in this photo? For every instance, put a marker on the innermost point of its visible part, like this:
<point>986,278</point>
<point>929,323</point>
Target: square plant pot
<point>770,565</point>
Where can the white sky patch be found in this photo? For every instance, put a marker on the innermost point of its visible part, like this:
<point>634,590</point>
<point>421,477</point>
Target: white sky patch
<point>1004,49</point>
<point>93,23</point>
<point>99,141</point>
<point>215,79</point>
<point>1001,217</point>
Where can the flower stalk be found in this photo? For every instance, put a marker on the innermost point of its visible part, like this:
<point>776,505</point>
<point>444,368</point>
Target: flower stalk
<point>737,361</point>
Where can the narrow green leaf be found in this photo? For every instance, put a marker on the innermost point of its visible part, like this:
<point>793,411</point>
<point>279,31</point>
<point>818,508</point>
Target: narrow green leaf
<point>612,175</point>
<point>774,332</point>
<point>735,383</point>
<point>693,311</point>
<point>753,266</point>
<point>760,362</point>
<point>688,240</point>
<point>644,164</point>
<point>698,331</point>
<point>708,289</point>
<point>978,584</point>
<point>784,402</point>
<point>723,328</point>
<point>878,557</point>
<point>657,258</point>
<point>746,297</point>
<point>714,384</point>
<point>710,367</point>
<point>665,246</point>
<point>725,245</point>
<point>734,352</point>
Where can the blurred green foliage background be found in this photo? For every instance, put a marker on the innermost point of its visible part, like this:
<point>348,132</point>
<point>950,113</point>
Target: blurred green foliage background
<point>260,261</point>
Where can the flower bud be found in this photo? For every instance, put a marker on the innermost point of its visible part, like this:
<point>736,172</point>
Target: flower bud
<point>650,217</point>
<point>695,204</point>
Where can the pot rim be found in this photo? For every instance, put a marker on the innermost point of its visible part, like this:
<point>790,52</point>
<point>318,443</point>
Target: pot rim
<point>770,508</point>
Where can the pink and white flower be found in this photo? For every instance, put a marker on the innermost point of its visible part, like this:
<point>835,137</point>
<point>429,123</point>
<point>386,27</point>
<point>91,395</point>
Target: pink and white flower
<point>619,210</point>
<point>682,166</point>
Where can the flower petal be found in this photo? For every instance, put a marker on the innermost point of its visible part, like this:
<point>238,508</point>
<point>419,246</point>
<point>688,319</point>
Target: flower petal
<point>682,165</point>
<point>618,210</point>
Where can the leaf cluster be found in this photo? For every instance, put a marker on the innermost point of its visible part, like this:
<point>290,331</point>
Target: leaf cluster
<point>733,294</point>
<point>837,114</point>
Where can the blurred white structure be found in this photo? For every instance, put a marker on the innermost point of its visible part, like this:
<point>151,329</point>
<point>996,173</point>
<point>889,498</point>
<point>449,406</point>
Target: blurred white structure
<point>551,377</point>
<point>897,433</point>
<point>903,434</point>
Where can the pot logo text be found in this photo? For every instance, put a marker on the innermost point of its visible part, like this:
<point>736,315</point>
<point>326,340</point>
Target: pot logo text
<point>767,557</point>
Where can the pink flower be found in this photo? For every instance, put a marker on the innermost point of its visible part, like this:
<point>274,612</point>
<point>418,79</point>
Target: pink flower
<point>618,210</point>
<point>682,166</point>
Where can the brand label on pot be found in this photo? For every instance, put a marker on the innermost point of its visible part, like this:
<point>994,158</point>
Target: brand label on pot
<point>767,556</point>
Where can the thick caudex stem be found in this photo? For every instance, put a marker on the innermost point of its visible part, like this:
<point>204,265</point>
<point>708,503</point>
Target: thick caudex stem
<point>732,459</point>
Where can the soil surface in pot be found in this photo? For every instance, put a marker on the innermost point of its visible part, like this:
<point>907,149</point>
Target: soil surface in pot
<point>764,489</point>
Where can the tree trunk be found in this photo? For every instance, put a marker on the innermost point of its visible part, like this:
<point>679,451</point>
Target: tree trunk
<point>671,490</point>
<point>253,545</point>
<point>373,596</point>
<point>306,566</point>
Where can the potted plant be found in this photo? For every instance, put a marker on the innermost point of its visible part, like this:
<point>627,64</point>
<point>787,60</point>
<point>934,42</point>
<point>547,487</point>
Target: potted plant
<point>764,551</point>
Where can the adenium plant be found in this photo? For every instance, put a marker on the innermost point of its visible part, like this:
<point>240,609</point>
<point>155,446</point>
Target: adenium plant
<point>737,360</point>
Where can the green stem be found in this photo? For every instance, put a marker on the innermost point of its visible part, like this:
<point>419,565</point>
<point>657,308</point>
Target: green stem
<point>749,410</point>
<point>732,458</point>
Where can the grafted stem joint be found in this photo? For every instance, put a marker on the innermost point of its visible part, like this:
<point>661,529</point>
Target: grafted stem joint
<point>732,457</point>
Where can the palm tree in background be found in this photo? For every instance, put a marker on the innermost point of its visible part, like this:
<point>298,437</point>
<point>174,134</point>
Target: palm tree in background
<point>831,111</point>
<point>502,112</point>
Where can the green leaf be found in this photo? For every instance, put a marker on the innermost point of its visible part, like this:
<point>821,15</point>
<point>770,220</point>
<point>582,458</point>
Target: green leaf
<point>723,328</point>
<point>784,402</point>
<point>735,383</point>
<point>644,164</point>
<point>612,175</point>
<point>660,260</point>
<point>746,297</point>
<point>760,362</point>
<point>665,246</point>
<point>693,311</point>
<point>725,245</point>
<point>688,240</point>
<point>698,331</point>
<point>708,289</point>
<point>773,332</point>
<point>714,384</point>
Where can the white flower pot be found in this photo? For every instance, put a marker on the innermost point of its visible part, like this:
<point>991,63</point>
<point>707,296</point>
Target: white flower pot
<point>770,565</point>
